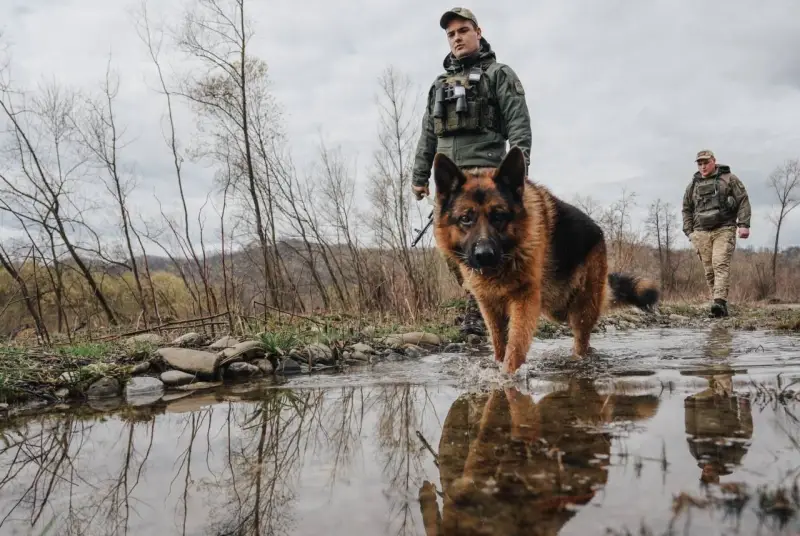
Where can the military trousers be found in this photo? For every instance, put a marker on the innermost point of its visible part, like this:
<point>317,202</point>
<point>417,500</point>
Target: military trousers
<point>715,249</point>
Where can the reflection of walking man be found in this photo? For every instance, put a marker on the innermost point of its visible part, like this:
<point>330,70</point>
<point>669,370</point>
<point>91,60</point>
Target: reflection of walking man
<point>714,204</point>
<point>719,423</point>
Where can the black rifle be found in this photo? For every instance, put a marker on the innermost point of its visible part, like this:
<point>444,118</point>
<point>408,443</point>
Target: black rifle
<point>421,232</point>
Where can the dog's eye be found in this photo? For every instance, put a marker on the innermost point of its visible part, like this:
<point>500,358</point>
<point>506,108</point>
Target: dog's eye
<point>467,218</point>
<point>499,217</point>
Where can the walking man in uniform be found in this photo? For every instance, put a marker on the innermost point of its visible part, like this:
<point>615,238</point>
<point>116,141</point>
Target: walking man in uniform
<point>474,107</point>
<point>715,204</point>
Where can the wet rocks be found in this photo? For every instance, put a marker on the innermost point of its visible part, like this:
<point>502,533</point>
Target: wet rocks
<point>242,370</point>
<point>104,388</point>
<point>288,366</point>
<point>319,353</point>
<point>177,377</point>
<point>190,360</point>
<point>225,342</point>
<point>264,365</point>
<point>143,390</point>
<point>243,351</point>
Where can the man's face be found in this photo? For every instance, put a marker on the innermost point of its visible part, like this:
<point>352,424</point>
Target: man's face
<point>463,37</point>
<point>706,166</point>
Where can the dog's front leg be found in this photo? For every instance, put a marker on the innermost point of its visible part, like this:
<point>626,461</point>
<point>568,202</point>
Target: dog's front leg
<point>523,312</point>
<point>496,319</point>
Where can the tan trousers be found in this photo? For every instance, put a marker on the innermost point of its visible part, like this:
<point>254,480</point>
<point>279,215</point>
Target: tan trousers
<point>715,249</point>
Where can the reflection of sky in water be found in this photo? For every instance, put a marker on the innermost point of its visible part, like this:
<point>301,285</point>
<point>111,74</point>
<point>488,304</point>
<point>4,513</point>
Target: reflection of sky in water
<point>348,460</point>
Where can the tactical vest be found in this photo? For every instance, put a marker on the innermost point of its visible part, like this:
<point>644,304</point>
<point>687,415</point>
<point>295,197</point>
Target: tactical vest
<point>713,204</point>
<point>463,104</point>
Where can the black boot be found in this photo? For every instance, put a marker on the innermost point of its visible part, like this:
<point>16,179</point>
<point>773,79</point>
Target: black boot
<point>719,308</point>
<point>473,320</point>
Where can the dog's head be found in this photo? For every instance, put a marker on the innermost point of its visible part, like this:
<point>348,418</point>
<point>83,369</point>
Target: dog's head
<point>480,212</point>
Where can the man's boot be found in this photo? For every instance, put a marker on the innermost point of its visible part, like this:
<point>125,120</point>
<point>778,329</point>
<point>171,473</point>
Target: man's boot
<point>719,308</point>
<point>473,321</point>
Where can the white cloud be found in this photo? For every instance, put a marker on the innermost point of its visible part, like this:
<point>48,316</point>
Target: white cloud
<point>620,93</point>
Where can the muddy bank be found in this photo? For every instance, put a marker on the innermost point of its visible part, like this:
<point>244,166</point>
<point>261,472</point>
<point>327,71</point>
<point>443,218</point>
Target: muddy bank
<point>150,368</point>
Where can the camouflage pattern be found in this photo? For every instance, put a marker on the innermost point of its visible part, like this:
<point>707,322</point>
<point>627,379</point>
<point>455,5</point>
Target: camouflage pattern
<point>718,200</point>
<point>505,117</point>
<point>715,249</point>
<point>457,12</point>
<point>705,154</point>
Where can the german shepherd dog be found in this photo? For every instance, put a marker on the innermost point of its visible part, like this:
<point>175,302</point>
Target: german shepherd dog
<point>523,252</point>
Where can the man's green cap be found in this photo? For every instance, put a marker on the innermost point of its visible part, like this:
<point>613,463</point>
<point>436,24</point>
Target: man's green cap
<point>457,12</point>
<point>704,155</point>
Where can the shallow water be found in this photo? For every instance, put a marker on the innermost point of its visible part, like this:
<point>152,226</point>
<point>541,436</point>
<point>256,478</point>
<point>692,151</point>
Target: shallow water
<point>565,447</point>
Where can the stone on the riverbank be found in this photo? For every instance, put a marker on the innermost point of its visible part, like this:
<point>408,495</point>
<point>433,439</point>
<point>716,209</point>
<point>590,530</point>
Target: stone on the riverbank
<point>244,351</point>
<point>288,366</point>
<point>140,368</point>
<point>421,338</point>
<point>177,377</point>
<point>104,388</point>
<point>149,338</point>
<point>319,353</point>
<point>143,385</point>
<point>190,360</point>
<point>264,365</point>
<point>190,340</point>
<point>69,377</point>
<point>225,342</point>
<point>363,348</point>
<point>359,356</point>
<point>198,386</point>
<point>678,318</point>
<point>413,351</point>
<point>143,390</point>
<point>242,370</point>
<point>454,348</point>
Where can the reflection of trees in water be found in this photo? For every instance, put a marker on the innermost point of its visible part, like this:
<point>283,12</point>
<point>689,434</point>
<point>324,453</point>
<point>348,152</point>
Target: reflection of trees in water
<point>401,412</point>
<point>42,460</point>
<point>263,462</point>
<point>241,460</point>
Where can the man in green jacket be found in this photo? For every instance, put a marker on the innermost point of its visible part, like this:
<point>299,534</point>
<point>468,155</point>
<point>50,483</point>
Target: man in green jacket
<point>715,203</point>
<point>474,107</point>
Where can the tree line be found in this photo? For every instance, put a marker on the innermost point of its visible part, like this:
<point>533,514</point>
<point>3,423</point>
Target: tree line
<point>283,240</point>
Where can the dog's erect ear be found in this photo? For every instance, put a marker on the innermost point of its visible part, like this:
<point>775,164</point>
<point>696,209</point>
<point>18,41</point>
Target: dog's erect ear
<point>510,175</point>
<point>447,176</point>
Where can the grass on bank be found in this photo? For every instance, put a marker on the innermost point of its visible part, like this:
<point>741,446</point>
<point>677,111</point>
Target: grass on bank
<point>27,371</point>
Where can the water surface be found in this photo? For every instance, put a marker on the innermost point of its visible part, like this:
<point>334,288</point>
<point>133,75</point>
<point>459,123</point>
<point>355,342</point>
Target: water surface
<point>670,430</point>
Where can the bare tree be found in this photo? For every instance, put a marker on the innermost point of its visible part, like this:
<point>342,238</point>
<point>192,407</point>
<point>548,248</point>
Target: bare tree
<point>41,329</point>
<point>153,40</point>
<point>390,183</point>
<point>662,224</point>
<point>785,182</point>
<point>232,90</point>
<point>47,163</point>
<point>103,138</point>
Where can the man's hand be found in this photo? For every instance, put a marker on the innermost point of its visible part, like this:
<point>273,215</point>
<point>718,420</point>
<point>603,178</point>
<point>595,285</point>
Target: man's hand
<point>420,191</point>
<point>744,232</point>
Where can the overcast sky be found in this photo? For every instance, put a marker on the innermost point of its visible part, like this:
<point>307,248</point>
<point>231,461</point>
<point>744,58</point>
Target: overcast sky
<point>621,94</point>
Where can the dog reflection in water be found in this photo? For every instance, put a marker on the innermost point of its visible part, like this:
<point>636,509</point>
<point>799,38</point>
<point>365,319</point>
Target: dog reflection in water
<point>511,466</point>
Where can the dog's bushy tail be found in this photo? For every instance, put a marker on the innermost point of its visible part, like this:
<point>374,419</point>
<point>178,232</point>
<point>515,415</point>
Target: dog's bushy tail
<point>626,289</point>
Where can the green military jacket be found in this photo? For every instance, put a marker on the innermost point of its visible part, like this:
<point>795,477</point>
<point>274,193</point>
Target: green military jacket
<point>718,200</point>
<point>507,114</point>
